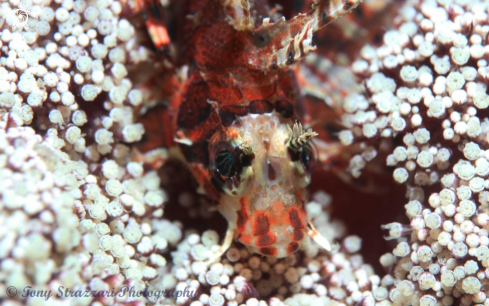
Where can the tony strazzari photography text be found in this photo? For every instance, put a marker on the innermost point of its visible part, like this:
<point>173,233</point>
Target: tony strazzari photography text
<point>64,292</point>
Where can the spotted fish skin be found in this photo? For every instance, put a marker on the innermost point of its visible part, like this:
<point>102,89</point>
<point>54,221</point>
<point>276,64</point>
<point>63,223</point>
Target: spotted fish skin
<point>233,106</point>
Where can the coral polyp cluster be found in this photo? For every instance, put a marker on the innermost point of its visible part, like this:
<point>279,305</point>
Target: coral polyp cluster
<point>426,103</point>
<point>241,277</point>
<point>72,197</point>
<point>81,206</point>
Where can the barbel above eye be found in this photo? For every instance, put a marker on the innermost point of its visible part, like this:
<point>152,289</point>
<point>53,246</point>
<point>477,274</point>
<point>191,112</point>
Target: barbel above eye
<point>300,146</point>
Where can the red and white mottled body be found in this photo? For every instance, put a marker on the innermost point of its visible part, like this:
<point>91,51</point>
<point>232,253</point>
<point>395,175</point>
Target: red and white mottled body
<point>236,114</point>
<point>266,209</point>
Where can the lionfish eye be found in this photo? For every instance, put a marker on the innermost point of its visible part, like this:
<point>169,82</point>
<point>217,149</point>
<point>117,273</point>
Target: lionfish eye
<point>308,156</point>
<point>225,163</point>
